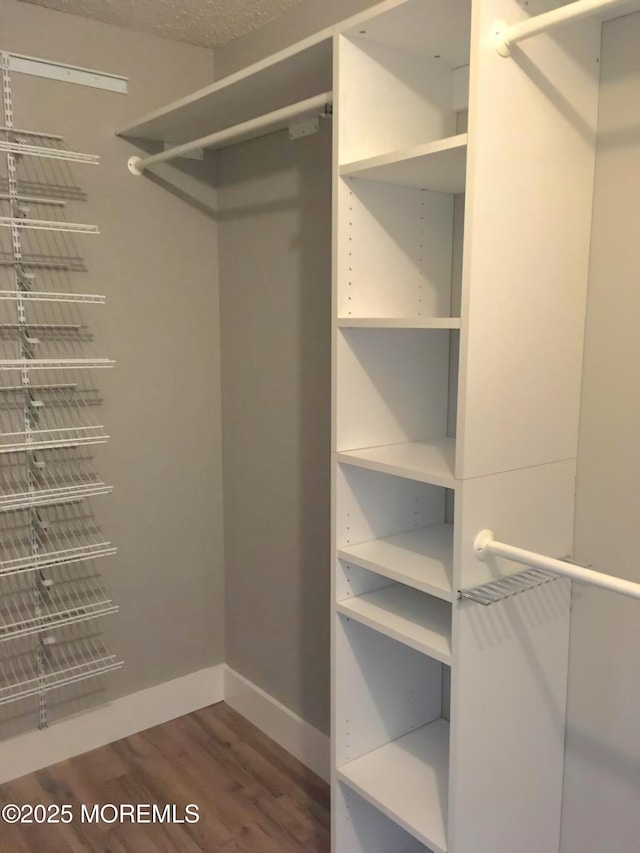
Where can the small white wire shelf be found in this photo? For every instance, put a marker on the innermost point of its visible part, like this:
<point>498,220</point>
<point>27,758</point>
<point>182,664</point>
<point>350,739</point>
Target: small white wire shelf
<point>64,595</point>
<point>59,333</point>
<point>506,587</point>
<point>70,658</point>
<point>41,215</point>
<point>48,477</point>
<point>47,239</point>
<point>56,363</point>
<point>44,286</point>
<point>60,417</point>
<point>48,225</point>
<point>66,533</point>
<point>34,199</point>
<point>45,296</point>
<point>50,152</point>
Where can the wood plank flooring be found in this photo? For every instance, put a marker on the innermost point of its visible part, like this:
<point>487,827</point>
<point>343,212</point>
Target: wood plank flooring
<point>253,797</point>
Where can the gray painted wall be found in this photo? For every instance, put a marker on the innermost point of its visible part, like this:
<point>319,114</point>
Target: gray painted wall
<point>275,298</point>
<point>602,776</point>
<point>156,260</point>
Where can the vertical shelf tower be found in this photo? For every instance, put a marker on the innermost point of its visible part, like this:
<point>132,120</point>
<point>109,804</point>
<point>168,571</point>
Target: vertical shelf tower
<point>50,592</point>
<point>462,208</point>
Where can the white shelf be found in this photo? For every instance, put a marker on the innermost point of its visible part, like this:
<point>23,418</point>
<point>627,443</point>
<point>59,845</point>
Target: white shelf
<point>408,781</point>
<point>422,559</point>
<point>439,166</point>
<point>426,461</point>
<point>417,620</point>
<point>292,75</point>
<point>398,322</point>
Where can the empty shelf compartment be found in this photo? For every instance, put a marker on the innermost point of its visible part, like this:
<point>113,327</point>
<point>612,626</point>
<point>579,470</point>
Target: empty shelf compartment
<point>408,781</point>
<point>413,618</point>
<point>422,559</point>
<point>427,461</point>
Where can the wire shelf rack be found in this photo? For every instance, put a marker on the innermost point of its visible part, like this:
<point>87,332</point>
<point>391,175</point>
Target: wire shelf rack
<point>51,246</point>
<point>50,590</point>
<point>55,363</point>
<point>65,533</point>
<point>506,587</point>
<point>41,215</point>
<point>68,657</point>
<point>59,416</point>
<point>48,286</point>
<point>42,176</point>
<point>50,296</point>
<point>48,477</point>
<point>29,143</point>
<point>64,595</point>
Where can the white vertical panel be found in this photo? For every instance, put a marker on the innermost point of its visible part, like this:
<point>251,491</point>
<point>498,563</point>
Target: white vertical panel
<point>393,386</point>
<point>460,88</point>
<point>394,251</point>
<point>602,772</point>
<point>531,508</point>
<point>530,179</point>
<point>507,723</point>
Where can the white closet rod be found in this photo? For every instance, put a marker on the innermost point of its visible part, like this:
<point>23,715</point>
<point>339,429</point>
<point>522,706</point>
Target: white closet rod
<point>258,126</point>
<point>485,544</point>
<point>506,36</point>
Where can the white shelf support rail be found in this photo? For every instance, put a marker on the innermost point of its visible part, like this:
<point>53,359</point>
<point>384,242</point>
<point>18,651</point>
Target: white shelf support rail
<point>485,544</point>
<point>259,126</point>
<point>506,36</point>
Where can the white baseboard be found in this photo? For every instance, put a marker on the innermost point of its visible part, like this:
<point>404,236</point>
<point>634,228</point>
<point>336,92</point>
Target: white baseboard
<point>121,718</point>
<point>291,732</point>
<point>139,711</point>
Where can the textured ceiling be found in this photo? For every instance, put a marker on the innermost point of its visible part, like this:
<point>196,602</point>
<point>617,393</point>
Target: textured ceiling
<point>207,23</point>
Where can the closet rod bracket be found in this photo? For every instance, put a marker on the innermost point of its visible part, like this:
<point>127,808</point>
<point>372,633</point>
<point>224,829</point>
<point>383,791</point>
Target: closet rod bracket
<point>132,165</point>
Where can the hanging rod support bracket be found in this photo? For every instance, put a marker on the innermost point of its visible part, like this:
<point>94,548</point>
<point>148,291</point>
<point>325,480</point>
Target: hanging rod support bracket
<point>500,38</point>
<point>480,544</point>
<point>132,165</point>
<point>484,544</point>
<point>308,127</point>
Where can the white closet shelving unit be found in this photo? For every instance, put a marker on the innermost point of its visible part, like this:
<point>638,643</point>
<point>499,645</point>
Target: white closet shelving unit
<point>462,210</point>
<point>462,224</point>
<point>50,591</point>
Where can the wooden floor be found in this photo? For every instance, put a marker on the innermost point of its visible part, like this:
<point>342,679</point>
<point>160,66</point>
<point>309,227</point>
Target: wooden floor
<point>253,797</point>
